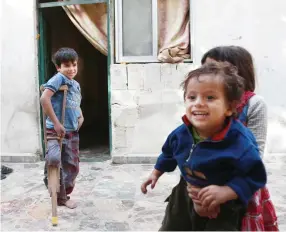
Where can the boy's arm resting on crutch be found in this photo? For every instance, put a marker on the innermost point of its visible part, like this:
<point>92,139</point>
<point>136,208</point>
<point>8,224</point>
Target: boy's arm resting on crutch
<point>49,111</point>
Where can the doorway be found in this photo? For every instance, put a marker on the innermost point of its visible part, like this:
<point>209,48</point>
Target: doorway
<point>92,76</point>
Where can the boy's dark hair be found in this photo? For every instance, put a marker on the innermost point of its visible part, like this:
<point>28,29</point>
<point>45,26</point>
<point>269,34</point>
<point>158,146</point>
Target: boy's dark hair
<point>237,56</point>
<point>233,83</point>
<point>65,55</point>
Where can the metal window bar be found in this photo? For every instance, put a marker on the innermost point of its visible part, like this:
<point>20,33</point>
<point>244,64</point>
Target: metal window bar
<point>69,2</point>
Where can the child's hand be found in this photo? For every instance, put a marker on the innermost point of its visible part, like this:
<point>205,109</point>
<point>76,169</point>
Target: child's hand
<point>152,179</point>
<point>213,214</point>
<point>214,195</point>
<point>59,128</point>
<point>203,212</point>
<point>193,193</point>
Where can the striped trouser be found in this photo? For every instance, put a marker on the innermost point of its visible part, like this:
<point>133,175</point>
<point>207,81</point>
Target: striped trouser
<point>68,160</point>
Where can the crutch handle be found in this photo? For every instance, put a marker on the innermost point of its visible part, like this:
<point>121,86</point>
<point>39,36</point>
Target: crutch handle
<point>62,88</point>
<point>53,138</point>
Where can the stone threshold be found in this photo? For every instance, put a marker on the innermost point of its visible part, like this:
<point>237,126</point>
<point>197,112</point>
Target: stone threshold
<point>115,158</point>
<point>19,158</point>
<point>152,158</point>
<point>134,158</point>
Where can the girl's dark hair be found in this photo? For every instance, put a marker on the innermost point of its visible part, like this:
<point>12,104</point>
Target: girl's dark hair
<point>233,83</point>
<point>237,56</point>
<point>65,55</point>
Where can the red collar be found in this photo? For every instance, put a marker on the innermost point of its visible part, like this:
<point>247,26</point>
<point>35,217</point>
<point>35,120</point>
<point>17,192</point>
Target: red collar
<point>217,137</point>
<point>244,100</point>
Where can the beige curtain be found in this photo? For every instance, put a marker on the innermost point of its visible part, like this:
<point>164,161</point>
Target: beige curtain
<point>174,30</point>
<point>91,21</point>
<point>173,27</point>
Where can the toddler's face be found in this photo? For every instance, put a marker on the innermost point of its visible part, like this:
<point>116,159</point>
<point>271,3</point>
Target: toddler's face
<point>206,104</point>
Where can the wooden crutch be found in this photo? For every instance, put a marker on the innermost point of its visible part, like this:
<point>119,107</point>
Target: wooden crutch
<point>54,172</point>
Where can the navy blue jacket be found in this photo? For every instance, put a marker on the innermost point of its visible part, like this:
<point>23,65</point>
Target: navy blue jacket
<point>230,158</point>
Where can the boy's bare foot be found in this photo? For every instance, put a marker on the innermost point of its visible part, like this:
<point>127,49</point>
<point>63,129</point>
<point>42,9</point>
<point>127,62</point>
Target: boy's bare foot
<point>69,204</point>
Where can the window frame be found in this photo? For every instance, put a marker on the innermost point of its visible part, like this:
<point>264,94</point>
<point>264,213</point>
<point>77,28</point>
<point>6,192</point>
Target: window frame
<point>120,58</point>
<point>66,3</point>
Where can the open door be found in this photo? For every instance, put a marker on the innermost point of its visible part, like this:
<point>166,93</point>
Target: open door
<point>55,31</point>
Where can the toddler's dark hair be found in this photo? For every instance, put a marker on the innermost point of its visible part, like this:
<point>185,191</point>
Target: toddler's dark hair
<point>233,83</point>
<point>65,55</point>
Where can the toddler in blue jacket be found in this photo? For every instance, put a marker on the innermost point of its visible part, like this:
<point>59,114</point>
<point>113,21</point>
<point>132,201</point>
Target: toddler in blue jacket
<point>213,150</point>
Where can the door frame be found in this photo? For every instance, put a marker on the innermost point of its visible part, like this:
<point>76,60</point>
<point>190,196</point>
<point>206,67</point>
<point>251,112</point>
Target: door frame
<point>42,54</point>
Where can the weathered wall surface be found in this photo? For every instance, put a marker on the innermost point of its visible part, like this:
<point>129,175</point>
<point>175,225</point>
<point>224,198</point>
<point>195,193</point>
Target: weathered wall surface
<point>20,137</point>
<point>147,103</point>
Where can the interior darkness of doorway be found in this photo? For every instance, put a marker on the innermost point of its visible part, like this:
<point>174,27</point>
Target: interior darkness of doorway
<point>92,76</point>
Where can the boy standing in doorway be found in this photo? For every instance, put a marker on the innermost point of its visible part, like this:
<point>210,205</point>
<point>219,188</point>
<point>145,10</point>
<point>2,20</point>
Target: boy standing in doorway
<point>66,62</point>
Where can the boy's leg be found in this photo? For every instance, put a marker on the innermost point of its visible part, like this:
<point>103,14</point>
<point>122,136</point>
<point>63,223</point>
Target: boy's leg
<point>178,211</point>
<point>53,157</point>
<point>229,218</point>
<point>53,154</point>
<point>70,166</point>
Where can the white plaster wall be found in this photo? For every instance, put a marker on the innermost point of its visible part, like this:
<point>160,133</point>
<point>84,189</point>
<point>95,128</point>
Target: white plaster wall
<point>19,83</point>
<point>146,102</point>
<point>259,26</point>
<point>146,105</point>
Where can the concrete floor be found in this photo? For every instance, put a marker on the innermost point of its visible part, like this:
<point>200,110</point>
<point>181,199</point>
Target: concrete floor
<point>108,197</point>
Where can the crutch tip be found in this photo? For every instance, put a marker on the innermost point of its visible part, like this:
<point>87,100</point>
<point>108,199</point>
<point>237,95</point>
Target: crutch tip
<point>54,221</point>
